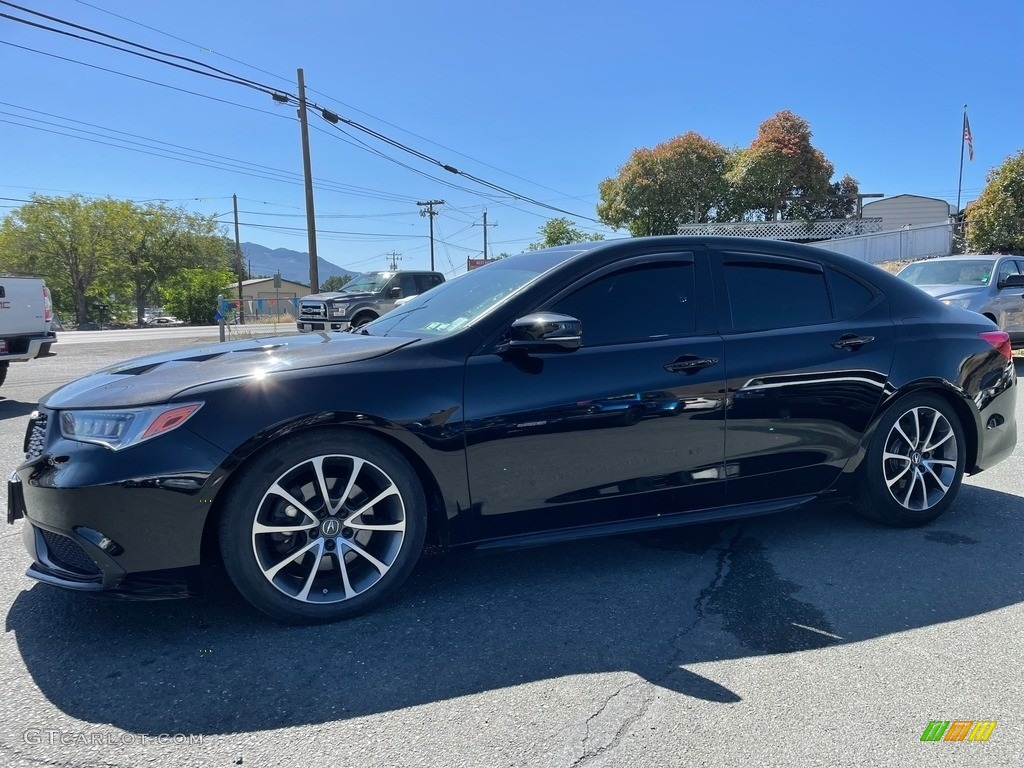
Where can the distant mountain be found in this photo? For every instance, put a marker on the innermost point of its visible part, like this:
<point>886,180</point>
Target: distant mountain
<point>294,265</point>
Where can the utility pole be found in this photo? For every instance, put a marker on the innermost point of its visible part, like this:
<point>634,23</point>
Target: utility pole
<point>430,212</point>
<point>395,258</point>
<point>485,225</point>
<point>314,277</point>
<point>238,263</point>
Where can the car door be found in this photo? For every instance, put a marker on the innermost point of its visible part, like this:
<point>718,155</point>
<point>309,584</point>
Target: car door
<point>628,426</point>
<point>808,350</point>
<point>1009,300</point>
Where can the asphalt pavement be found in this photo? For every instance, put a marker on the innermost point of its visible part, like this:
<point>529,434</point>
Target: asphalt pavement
<point>811,638</point>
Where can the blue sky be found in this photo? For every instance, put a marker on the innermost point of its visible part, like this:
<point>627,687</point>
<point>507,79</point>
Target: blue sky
<point>545,99</point>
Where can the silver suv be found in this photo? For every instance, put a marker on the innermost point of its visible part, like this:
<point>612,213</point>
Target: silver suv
<point>988,284</point>
<point>362,299</point>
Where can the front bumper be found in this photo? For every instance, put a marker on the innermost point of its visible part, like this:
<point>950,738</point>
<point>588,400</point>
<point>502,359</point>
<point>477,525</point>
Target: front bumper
<point>307,326</point>
<point>127,523</point>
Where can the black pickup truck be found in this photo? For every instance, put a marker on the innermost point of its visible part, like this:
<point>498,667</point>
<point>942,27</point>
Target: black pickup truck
<point>362,299</point>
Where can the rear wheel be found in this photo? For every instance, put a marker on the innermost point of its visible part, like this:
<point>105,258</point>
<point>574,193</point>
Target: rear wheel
<point>324,526</point>
<point>3,371</point>
<point>915,463</point>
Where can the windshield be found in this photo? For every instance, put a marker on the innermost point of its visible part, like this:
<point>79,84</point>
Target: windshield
<point>371,282</point>
<point>949,272</point>
<point>457,303</point>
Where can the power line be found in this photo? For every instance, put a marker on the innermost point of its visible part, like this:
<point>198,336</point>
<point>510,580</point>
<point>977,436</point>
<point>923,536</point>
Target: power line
<point>225,76</point>
<point>328,96</point>
<point>181,40</point>
<point>230,165</point>
<point>146,80</point>
<point>281,96</point>
<point>335,231</point>
<point>333,119</point>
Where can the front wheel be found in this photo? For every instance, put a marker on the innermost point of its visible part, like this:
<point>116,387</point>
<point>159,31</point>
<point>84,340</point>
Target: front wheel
<point>914,464</point>
<point>323,526</point>
<point>361,320</point>
<point>4,365</point>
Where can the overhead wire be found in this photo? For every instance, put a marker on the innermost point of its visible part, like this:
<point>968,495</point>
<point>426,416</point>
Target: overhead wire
<point>146,80</point>
<point>214,72</point>
<point>328,96</point>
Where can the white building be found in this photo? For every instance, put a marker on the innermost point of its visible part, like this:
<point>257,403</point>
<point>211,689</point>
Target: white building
<point>900,210</point>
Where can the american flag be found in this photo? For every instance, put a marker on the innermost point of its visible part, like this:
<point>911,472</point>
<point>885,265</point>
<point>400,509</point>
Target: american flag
<point>968,138</point>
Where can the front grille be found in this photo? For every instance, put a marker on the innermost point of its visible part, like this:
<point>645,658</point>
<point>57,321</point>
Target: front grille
<point>65,553</point>
<point>313,311</point>
<point>35,436</point>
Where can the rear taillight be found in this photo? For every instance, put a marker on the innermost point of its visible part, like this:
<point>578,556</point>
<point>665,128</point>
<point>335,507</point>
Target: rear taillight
<point>1000,340</point>
<point>47,305</point>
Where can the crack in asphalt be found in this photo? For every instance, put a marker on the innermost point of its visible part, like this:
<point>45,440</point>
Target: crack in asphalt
<point>698,606</point>
<point>620,732</point>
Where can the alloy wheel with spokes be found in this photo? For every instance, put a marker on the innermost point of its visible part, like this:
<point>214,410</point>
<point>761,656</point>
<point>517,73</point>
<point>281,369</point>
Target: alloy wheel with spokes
<point>329,528</point>
<point>914,464</point>
<point>321,529</point>
<point>920,458</point>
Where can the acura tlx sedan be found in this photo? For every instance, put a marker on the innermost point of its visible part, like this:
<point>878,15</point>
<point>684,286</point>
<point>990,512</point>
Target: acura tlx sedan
<point>592,389</point>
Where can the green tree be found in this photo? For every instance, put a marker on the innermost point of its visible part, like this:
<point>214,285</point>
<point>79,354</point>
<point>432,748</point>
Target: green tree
<point>154,242</point>
<point>995,222</point>
<point>334,283</point>
<point>561,231</point>
<point>67,240</point>
<point>679,181</point>
<point>781,175</point>
<point>191,294</point>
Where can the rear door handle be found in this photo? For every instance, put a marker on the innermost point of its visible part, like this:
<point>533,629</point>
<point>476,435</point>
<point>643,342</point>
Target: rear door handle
<point>690,364</point>
<point>852,341</point>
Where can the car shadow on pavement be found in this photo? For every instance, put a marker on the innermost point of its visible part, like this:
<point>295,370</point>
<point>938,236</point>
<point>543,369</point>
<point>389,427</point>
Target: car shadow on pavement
<point>14,409</point>
<point>651,604</point>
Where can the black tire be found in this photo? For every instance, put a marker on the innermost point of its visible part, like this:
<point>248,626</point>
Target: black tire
<point>363,319</point>
<point>907,466</point>
<point>44,349</point>
<point>276,572</point>
<point>3,371</point>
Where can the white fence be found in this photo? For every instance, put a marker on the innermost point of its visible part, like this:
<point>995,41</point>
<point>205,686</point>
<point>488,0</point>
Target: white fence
<point>907,244</point>
<point>793,229</point>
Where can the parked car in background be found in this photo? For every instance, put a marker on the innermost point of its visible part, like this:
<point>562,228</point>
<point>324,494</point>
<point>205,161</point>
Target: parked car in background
<point>990,285</point>
<point>363,299</point>
<point>26,318</point>
<point>166,320</point>
<point>591,389</point>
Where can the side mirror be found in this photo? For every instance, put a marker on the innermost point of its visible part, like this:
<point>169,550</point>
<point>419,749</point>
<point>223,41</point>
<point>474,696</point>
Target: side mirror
<point>544,332</point>
<point>1012,281</point>
<point>396,293</point>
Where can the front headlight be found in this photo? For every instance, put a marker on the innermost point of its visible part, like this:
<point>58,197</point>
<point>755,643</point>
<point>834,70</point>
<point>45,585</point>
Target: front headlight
<point>958,303</point>
<point>119,428</point>
<point>339,310</point>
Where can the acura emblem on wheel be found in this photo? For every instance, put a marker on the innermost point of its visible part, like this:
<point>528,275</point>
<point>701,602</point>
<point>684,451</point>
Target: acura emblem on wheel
<point>330,527</point>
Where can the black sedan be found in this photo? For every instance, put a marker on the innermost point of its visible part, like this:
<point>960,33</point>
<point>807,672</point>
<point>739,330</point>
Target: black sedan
<point>592,389</point>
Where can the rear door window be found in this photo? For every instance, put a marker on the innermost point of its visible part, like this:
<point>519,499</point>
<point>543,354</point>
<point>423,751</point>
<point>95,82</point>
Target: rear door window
<point>768,292</point>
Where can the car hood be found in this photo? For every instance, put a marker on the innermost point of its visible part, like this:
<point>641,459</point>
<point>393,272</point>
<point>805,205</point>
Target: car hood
<point>951,291</point>
<point>158,378</point>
